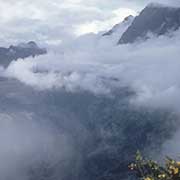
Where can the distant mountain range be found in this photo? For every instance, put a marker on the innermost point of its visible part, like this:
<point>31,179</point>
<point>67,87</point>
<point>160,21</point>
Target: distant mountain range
<point>23,50</point>
<point>154,19</point>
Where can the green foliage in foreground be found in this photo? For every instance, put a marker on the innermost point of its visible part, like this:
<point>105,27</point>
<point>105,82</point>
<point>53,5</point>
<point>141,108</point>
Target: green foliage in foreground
<point>146,169</point>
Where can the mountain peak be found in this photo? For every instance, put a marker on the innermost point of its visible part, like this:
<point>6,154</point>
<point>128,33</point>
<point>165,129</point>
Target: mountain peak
<point>128,18</point>
<point>30,44</point>
<point>156,19</point>
<point>126,22</point>
<point>22,50</point>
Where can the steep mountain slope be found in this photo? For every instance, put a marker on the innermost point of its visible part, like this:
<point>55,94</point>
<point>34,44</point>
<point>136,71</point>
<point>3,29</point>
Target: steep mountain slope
<point>127,21</point>
<point>155,19</point>
<point>111,37</point>
<point>22,50</point>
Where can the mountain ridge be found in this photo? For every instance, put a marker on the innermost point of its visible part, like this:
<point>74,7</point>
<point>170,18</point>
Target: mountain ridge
<point>155,19</point>
<point>127,21</point>
<point>22,50</point>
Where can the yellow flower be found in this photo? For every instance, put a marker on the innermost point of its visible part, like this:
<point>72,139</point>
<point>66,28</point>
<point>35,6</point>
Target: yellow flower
<point>171,167</point>
<point>161,176</point>
<point>148,178</point>
<point>176,170</point>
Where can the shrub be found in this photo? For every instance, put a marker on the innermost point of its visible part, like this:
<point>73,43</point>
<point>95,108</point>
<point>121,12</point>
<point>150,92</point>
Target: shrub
<point>146,169</point>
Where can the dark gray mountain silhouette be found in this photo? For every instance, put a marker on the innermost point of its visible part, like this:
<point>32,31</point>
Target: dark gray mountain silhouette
<point>22,51</point>
<point>156,19</point>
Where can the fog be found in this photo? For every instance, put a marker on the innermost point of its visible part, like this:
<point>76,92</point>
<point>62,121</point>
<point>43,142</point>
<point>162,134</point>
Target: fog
<point>82,110</point>
<point>96,64</point>
<point>24,144</point>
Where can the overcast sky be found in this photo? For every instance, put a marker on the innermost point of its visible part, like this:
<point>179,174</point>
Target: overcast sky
<point>51,21</point>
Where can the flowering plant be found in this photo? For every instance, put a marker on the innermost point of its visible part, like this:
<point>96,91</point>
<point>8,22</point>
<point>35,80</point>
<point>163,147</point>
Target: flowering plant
<point>150,170</point>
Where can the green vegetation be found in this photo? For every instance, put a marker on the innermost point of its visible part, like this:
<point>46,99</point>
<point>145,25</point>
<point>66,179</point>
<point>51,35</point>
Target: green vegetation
<point>146,169</point>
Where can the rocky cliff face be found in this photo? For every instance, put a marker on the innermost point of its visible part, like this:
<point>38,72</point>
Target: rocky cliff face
<point>155,19</point>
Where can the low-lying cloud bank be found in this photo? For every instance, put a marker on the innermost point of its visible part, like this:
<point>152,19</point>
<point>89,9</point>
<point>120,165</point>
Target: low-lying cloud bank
<point>92,63</point>
<point>45,131</point>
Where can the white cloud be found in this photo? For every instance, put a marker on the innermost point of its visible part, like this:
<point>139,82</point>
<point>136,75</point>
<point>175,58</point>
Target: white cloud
<point>59,20</point>
<point>93,63</point>
<point>46,21</point>
<point>25,142</point>
<point>95,26</point>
